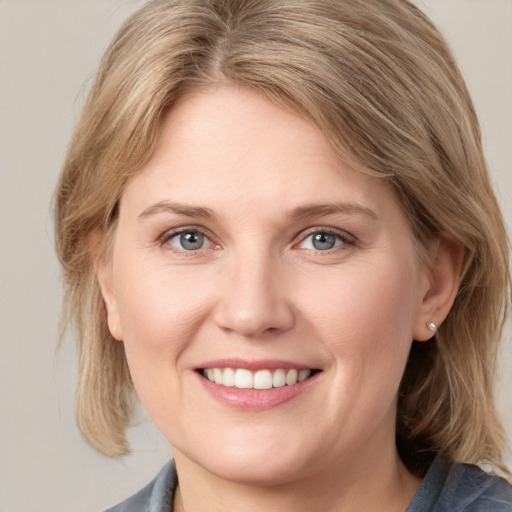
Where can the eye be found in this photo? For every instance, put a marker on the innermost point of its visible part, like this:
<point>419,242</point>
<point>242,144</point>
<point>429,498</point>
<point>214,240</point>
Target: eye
<point>324,240</point>
<point>189,240</point>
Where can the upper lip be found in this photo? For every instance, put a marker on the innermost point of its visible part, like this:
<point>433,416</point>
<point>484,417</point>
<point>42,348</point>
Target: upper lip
<point>254,365</point>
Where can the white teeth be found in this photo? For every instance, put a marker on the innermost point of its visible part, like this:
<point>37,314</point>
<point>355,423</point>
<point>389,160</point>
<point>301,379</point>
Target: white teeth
<point>303,375</point>
<point>217,375</point>
<point>244,379</point>
<point>279,379</point>
<point>262,379</point>
<point>229,377</point>
<point>291,377</point>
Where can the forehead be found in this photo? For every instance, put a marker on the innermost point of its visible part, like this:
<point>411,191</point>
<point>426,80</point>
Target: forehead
<point>231,146</point>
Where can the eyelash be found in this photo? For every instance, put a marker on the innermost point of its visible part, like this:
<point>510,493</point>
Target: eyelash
<point>345,238</point>
<point>169,235</point>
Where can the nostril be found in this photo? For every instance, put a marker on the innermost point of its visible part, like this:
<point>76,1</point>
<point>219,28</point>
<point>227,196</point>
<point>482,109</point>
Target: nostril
<point>252,307</point>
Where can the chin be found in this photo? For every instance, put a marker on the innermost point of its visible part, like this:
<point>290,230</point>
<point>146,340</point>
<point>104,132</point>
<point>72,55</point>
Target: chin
<point>258,471</point>
<point>252,464</point>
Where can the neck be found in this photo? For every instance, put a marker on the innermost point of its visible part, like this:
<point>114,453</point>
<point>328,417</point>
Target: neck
<point>382,483</point>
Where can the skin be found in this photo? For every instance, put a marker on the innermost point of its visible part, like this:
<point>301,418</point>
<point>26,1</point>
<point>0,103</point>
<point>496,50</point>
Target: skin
<point>259,289</point>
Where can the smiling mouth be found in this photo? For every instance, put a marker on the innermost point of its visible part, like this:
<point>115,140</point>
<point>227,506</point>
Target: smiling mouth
<point>242,378</point>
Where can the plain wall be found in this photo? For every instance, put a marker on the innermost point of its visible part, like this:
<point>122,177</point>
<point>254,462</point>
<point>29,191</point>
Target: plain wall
<point>49,50</point>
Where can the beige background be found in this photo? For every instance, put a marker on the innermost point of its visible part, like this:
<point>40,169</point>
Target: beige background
<point>48,52</point>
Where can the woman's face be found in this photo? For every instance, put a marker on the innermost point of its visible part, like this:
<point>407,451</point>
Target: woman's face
<point>247,252</point>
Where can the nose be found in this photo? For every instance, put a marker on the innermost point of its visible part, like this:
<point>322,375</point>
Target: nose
<point>254,299</point>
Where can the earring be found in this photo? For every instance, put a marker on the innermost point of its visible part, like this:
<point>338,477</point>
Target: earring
<point>432,327</point>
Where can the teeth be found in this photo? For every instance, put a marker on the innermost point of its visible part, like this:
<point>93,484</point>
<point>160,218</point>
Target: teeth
<point>262,379</point>
<point>217,375</point>
<point>244,379</point>
<point>228,377</point>
<point>291,377</point>
<point>279,379</point>
<point>303,375</point>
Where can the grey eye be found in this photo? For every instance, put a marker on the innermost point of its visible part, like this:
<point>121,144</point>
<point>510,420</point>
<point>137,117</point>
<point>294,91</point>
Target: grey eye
<point>188,241</point>
<point>322,241</point>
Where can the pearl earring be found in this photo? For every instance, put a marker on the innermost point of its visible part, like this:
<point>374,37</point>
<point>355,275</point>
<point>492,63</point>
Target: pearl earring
<point>432,327</point>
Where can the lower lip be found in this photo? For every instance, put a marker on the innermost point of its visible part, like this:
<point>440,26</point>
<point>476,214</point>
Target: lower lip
<point>256,399</point>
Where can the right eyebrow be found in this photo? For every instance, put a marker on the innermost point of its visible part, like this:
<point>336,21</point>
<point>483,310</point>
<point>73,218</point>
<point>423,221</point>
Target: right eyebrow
<point>319,210</point>
<point>177,208</point>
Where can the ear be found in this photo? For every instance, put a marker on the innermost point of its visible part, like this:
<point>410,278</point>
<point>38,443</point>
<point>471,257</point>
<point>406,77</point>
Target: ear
<point>103,271</point>
<point>443,275</point>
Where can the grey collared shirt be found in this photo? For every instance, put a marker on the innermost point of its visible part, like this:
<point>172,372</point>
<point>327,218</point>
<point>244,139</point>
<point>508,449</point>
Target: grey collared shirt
<point>445,488</point>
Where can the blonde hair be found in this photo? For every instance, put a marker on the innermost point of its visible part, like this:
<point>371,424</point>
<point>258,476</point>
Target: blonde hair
<point>379,80</point>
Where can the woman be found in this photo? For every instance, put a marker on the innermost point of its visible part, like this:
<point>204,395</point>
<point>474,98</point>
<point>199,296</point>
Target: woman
<point>263,205</point>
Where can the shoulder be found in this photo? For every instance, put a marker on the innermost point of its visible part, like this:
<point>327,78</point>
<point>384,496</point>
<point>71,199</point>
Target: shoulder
<point>471,489</point>
<point>156,496</point>
<point>461,488</point>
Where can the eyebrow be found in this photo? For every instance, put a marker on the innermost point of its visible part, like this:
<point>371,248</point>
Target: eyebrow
<point>301,212</point>
<point>178,208</point>
<point>318,210</point>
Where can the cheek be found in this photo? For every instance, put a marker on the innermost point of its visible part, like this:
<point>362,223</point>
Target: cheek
<point>366,316</point>
<point>159,308</point>
<point>160,313</point>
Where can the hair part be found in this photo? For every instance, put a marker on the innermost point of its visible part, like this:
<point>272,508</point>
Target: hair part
<point>378,78</point>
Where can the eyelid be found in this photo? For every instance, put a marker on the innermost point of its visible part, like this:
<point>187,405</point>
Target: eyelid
<point>167,235</point>
<point>163,239</point>
<point>346,238</point>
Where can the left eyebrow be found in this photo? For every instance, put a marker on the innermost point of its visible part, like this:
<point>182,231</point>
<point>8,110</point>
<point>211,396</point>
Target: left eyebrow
<point>318,210</point>
<point>177,208</point>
